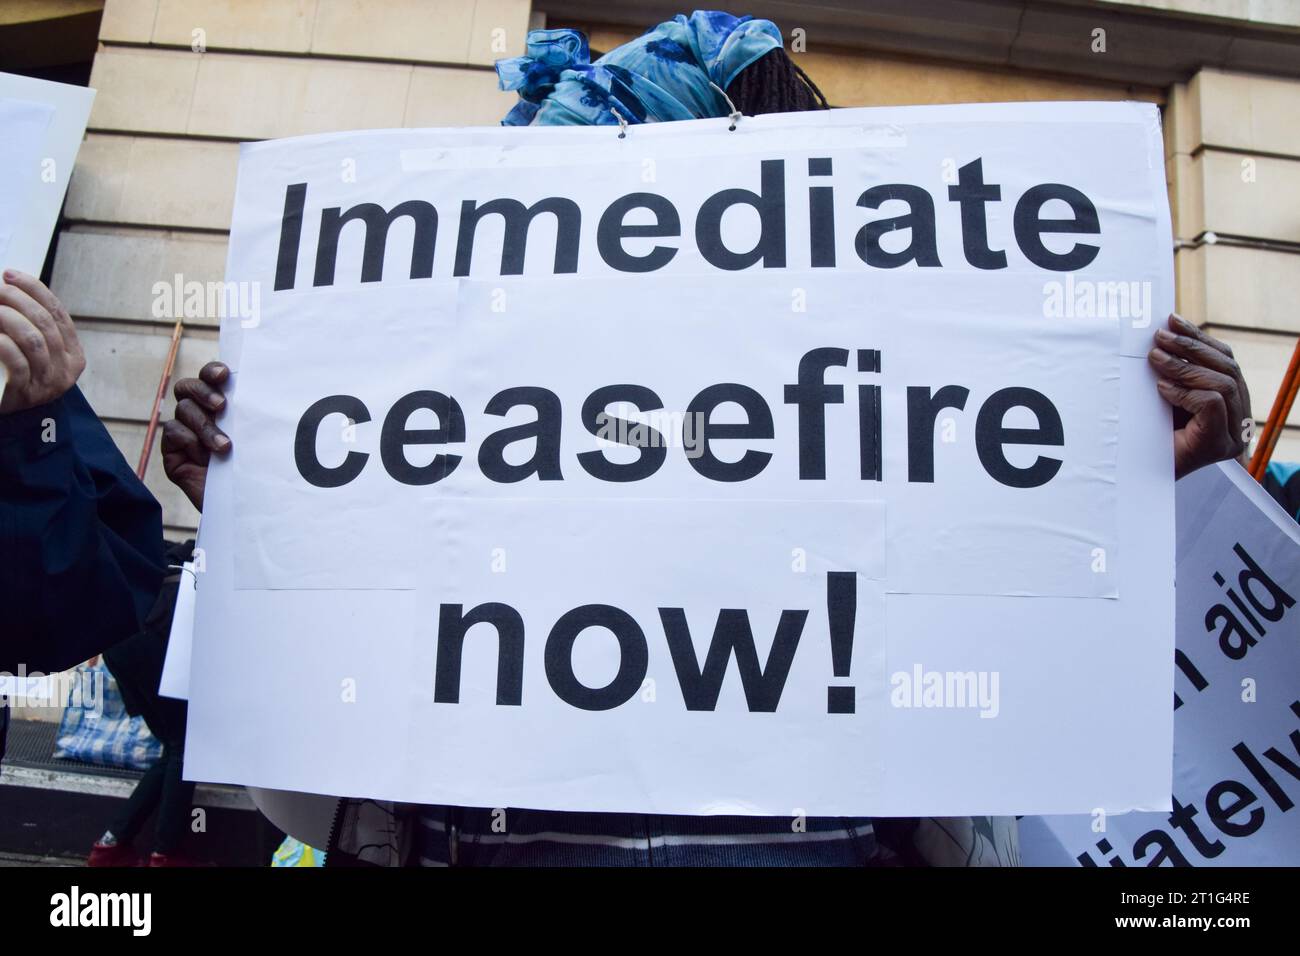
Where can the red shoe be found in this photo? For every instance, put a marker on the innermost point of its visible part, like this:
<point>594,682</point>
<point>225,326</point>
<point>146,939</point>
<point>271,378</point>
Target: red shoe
<point>170,859</point>
<point>119,854</point>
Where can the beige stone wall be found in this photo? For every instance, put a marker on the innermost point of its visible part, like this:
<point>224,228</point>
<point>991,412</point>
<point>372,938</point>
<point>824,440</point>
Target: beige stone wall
<point>151,196</point>
<point>1271,12</point>
<point>1233,160</point>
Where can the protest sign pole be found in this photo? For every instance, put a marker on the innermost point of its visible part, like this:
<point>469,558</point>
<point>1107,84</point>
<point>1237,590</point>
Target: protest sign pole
<point>1286,395</point>
<point>158,399</point>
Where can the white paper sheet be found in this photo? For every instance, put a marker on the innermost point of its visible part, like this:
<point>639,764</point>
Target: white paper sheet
<point>175,681</point>
<point>37,155</point>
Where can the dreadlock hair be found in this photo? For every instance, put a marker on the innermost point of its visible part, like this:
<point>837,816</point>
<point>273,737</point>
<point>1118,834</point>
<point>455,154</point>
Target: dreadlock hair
<point>774,83</point>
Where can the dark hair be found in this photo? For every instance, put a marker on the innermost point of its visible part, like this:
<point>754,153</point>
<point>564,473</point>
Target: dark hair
<point>775,84</point>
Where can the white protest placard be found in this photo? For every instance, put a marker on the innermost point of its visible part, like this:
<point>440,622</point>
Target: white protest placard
<point>25,123</point>
<point>43,123</point>
<point>1237,698</point>
<point>43,126</point>
<point>813,466</point>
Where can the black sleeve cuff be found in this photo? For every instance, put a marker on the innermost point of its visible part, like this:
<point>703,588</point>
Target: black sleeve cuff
<point>15,425</point>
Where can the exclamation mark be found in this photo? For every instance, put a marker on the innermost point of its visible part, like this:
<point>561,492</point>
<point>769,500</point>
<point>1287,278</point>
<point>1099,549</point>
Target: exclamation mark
<point>842,611</point>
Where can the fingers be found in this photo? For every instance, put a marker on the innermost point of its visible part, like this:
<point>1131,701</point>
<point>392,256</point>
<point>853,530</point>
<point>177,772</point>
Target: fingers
<point>201,392</point>
<point>24,334</point>
<point>32,346</point>
<point>15,363</point>
<point>214,374</point>
<point>41,294</point>
<point>40,348</point>
<point>23,351</point>
<point>1192,348</point>
<point>1209,432</point>
<point>28,315</point>
<point>1208,436</point>
<point>193,434</point>
<point>1180,325</point>
<point>1197,352</point>
<point>185,460</point>
<point>178,441</point>
<point>1202,367</point>
<point>1190,375</point>
<point>62,320</point>
<point>1194,401</point>
<point>190,414</point>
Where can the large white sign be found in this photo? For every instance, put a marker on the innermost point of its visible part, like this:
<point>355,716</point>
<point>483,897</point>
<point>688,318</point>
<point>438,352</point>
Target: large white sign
<point>42,125</point>
<point>1237,698</point>
<point>811,467</point>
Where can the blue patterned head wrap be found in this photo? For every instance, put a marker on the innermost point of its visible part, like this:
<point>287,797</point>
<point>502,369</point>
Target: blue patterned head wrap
<point>665,74</point>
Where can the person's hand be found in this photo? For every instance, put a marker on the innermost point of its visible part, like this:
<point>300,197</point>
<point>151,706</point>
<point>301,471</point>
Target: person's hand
<point>1201,379</point>
<point>39,348</point>
<point>189,439</point>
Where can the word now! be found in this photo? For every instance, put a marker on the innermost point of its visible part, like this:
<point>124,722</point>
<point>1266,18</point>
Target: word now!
<point>701,683</point>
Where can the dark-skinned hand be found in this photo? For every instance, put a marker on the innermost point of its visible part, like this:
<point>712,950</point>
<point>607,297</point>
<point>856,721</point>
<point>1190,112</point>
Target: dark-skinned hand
<point>1201,379</point>
<point>189,439</point>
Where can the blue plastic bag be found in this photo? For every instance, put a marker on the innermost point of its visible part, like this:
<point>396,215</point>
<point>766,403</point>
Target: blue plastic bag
<point>96,729</point>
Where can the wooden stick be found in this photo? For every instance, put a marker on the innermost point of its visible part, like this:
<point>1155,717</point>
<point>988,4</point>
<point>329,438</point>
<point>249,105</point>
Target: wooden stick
<point>1282,404</point>
<point>157,402</point>
<point>1284,413</point>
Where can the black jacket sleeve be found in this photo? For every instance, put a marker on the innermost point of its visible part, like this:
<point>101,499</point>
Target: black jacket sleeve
<point>81,546</point>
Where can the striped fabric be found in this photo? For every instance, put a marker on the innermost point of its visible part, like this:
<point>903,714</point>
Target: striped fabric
<point>475,837</point>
